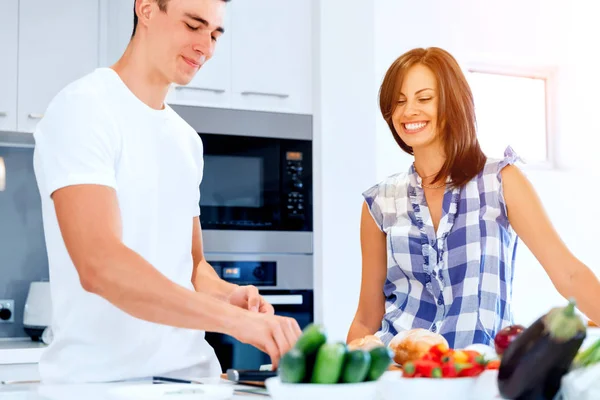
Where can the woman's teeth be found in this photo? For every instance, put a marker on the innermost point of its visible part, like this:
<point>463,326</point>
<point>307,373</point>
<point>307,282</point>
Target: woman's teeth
<point>415,126</point>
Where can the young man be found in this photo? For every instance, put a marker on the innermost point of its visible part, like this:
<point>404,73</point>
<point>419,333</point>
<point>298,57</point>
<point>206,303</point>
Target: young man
<point>119,174</point>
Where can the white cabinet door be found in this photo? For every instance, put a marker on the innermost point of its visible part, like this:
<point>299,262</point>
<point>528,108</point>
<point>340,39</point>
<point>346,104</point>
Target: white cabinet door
<point>58,43</point>
<point>9,34</point>
<point>117,28</point>
<point>271,55</point>
<point>211,87</point>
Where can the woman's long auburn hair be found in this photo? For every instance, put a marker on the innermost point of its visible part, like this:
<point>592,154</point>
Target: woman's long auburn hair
<point>456,111</point>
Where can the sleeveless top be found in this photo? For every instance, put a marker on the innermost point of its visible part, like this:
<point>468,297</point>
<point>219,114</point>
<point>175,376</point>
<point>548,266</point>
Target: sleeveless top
<point>456,282</point>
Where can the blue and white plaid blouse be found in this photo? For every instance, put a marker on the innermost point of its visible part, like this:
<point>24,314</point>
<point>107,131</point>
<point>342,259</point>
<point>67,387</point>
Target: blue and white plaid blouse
<point>458,283</point>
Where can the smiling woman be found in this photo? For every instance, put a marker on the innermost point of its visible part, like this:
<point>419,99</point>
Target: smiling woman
<point>438,242</point>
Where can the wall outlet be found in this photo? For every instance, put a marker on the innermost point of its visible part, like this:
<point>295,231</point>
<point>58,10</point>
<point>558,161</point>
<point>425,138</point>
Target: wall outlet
<point>7,311</point>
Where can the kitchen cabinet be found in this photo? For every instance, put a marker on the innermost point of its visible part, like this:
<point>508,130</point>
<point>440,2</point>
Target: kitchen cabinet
<point>262,62</point>
<point>272,55</point>
<point>117,26</point>
<point>9,33</point>
<point>58,43</point>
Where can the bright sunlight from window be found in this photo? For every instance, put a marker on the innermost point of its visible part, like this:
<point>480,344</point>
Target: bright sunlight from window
<point>511,111</point>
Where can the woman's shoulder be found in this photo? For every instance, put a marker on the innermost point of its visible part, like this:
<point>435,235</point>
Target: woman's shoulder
<point>392,186</point>
<point>493,166</point>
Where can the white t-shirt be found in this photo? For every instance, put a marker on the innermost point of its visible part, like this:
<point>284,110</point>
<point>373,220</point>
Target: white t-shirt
<point>96,131</point>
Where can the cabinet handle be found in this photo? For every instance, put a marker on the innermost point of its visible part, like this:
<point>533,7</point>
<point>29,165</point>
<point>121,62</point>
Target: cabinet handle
<point>3,114</point>
<point>200,88</point>
<point>36,116</point>
<point>280,95</point>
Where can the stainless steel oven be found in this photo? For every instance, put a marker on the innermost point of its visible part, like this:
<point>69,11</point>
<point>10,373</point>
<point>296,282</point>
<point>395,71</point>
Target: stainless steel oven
<point>257,212</point>
<point>286,281</point>
<point>256,194</point>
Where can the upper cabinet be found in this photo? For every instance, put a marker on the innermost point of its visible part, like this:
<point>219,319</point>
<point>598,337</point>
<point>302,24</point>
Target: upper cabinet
<point>272,55</point>
<point>262,62</point>
<point>58,43</point>
<point>9,33</point>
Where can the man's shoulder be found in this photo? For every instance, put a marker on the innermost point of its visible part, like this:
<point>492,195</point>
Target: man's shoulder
<point>80,98</point>
<point>184,127</point>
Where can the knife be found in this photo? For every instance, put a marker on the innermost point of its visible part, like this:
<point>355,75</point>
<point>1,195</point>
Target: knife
<point>249,375</point>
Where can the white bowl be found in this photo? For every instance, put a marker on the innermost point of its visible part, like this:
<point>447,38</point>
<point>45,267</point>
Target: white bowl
<point>313,391</point>
<point>392,386</point>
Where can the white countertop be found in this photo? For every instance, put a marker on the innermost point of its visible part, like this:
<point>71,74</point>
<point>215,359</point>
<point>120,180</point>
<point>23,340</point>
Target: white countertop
<point>106,391</point>
<point>20,351</point>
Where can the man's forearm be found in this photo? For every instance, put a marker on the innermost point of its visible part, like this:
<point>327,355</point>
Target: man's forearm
<point>132,284</point>
<point>206,280</point>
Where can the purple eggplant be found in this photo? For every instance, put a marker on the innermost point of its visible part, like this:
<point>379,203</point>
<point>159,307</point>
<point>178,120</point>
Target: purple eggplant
<point>534,363</point>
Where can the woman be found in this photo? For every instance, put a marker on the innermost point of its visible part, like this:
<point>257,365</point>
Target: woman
<point>441,239</point>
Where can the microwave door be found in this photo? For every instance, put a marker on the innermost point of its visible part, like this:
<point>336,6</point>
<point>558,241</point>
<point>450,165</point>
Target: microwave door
<point>240,185</point>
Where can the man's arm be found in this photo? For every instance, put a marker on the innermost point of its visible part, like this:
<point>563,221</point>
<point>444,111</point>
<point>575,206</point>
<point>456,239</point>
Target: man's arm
<point>204,277</point>
<point>90,223</point>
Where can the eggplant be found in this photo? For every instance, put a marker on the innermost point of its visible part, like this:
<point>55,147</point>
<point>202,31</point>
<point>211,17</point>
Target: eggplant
<point>533,365</point>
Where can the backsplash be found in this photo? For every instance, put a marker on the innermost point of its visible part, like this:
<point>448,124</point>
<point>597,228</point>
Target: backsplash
<point>23,256</point>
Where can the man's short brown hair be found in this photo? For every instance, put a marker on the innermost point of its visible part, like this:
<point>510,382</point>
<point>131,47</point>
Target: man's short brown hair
<point>162,6</point>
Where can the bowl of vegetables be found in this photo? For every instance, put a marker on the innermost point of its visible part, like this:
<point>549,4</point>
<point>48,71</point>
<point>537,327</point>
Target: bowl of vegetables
<point>317,370</point>
<point>449,373</point>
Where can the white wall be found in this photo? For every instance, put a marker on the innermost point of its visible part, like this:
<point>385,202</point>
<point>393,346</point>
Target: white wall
<point>527,32</point>
<point>344,150</point>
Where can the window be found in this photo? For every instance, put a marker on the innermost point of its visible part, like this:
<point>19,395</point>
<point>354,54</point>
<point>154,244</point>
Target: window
<point>512,107</point>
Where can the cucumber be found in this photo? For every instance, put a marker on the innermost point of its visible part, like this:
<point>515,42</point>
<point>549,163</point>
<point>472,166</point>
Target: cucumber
<point>356,366</point>
<point>292,367</point>
<point>311,339</point>
<point>381,358</point>
<point>329,363</point>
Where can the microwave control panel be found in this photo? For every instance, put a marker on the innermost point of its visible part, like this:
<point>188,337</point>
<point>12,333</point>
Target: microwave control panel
<point>295,194</point>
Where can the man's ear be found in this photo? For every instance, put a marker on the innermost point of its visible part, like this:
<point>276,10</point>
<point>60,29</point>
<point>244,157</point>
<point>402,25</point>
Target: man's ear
<point>144,10</point>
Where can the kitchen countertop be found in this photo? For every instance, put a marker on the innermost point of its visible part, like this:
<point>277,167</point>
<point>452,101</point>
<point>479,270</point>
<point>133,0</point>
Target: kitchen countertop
<point>20,351</point>
<point>103,391</point>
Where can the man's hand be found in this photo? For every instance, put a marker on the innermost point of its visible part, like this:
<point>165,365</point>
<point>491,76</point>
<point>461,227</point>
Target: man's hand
<point>248,298</point>
<point>272,334</point>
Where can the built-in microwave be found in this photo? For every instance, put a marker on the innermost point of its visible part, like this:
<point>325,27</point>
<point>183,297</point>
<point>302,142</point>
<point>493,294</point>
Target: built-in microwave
<point>256,193</point>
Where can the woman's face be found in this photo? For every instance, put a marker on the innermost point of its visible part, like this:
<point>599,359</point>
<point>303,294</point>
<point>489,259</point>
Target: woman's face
<point>415,116</point>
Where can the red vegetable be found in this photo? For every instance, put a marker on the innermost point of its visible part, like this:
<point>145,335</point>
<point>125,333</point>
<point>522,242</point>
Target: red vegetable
<point>428,369</point>
<point>494,364</point>
<point>472,370</point>
<point>449,370</point>
<point>506,336</point>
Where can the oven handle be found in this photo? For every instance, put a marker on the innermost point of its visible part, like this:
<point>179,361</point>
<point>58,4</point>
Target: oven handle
<point>283,299</point>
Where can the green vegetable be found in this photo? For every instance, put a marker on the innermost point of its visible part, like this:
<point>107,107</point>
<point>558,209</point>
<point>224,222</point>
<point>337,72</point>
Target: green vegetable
<point>381,358</point>
<point>329,363</point>
<point>312,338</point>
<point>292,367</point>
<point>589,356</point>
<point>356,366</point>
<point>562,323</point>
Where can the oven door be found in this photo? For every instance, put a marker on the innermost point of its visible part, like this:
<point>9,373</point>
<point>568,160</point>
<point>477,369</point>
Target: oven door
<point>297,304</point>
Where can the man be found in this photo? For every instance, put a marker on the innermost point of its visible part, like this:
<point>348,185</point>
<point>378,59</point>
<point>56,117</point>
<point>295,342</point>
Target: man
<point>119,174</point>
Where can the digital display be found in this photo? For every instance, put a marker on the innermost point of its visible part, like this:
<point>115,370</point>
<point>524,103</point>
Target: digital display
<point>231,272</point>
<point>293,156</point>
